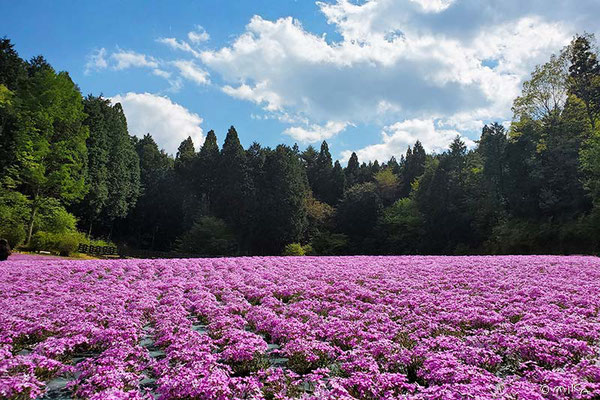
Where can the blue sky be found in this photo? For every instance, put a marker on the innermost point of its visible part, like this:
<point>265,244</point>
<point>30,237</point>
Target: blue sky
<point>369,76</point>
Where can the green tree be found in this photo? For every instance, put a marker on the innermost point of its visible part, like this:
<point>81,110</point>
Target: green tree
<point>152,224</point>
<point>323,187</point>
<point>492,147</point>
<point>209,236</point>
<point>387,185</point>
<point>7,129</point>
<point>585,75</point>
<point>412,167</point>
<point>351,170</point>
<point>206,170</point>
<point>282,194</point>
<point>12,67</point>
<point>235,186</point>
<point>357,215</point>
<point>441,196</point>
<point>338,183</point>
<point>400,228</point>
<point>113,173</point>
<point>49,139</point>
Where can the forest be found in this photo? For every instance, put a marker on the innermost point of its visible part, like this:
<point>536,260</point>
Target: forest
<point>71,172</point>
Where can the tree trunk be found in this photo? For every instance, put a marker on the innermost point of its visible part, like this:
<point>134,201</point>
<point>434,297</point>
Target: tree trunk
<point>34,208</point>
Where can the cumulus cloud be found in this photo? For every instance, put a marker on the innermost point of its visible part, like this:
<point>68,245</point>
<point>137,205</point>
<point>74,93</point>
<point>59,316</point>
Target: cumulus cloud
<point>460,63</point>
<point>258,93</point>
<point>397,137</point>
<point>128,59</point>
<point>96,61</point>
<point>198,35</point>
<point>169,123</point>
<point>280,64</point>
<point>453,64</point>
<point>191,71</point>
<point>316,133</point>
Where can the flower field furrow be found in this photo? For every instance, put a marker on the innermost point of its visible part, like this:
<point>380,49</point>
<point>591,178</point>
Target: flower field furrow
<point>525,327</point>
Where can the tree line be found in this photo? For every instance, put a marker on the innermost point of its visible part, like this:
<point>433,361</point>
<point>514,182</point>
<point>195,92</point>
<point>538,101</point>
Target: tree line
<point>68,164</point>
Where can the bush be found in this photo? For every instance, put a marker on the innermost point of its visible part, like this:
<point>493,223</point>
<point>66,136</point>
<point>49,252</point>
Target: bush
<point>14,211</point>
<point>14,233</point>
<point>54,218</point>
<point>61,243</point>
<point>293,249</point>
<point>296,249</point>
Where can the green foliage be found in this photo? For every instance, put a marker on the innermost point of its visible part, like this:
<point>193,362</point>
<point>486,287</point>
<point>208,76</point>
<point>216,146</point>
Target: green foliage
<point>387,184</point>
<point>352,170</point>
<point>12,67</point>
<point>66,160</point>
<point>528,237</point>
<point>584,73</point>
<point>53,218</point>
<point>412,167</point>
<point>48,138</point>
<point>14,211</point>
<point>235,189</point>
<point>282,216</point>
<point>400,228</point>
<point>330,244</point>
<point>358,212</point>
<point>63,244</point>
<point>296,249</point>
<point>208,236</point>
<point>545,93</point>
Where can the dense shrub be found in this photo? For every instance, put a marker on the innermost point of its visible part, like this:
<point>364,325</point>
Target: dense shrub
<point>13,232</point>
<point>296,249</point>
<point>14,209</point>
<point>54,218</point>
<point>61,243</point>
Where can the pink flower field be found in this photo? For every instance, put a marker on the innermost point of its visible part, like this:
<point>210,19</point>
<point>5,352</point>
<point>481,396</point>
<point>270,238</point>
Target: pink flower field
<point>301,328</point>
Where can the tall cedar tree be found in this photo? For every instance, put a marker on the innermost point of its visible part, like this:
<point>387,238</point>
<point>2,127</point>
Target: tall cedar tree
<point>585,76</point>
<point>188,199</point>
<point>414,166</point>
<point>282,192</point>
<point>113,173</point>
<point>322,188</point>
<point>235,187</point>
<point>351,170</point>
<point>206,171</point>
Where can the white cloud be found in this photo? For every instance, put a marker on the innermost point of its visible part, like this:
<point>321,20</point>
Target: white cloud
<point>199,35</point>
<point>398,60</point>
<point>161,73</point>
<point>127,59</point>
<point>414,75</point>
<point>96,61</point>
<point>178,45</point>
<point>168,123</point>
<point>316,133</point>
<point>191,71</point>
<point>454,64</point>
<point>258,94</point>
<point>397,137</point>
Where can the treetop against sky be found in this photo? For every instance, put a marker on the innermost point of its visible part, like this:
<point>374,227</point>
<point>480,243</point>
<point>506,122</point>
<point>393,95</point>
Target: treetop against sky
<point>369,76</point>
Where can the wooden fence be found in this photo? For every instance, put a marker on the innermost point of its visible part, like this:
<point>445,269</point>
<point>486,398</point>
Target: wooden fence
<point>98,250</point>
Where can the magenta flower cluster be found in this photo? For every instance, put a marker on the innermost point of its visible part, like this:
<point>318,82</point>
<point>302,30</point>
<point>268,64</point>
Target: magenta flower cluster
<point>525,327</point>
